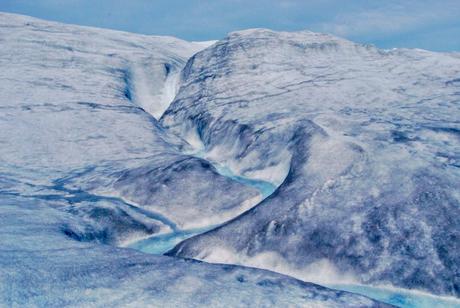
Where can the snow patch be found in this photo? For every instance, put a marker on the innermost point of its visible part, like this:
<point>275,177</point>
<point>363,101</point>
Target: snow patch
<point>145,79</point>
<point>321,272</point>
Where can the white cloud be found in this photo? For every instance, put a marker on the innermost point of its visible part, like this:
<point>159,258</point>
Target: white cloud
<point>390,18</point>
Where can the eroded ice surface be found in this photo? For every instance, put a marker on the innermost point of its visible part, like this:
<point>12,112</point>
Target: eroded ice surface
<point>162,243</point>
<point>40,266</point>
<point>84,163</point>
<point>76,115</point>
<point>364,143</point>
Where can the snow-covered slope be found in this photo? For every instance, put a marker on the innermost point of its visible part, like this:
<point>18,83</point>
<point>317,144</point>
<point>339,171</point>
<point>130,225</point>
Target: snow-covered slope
<point>77,106</point>
<point>363,143</point>
<point>84,162</point>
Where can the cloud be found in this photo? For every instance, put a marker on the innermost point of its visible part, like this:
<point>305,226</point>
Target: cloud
<point>419,23</point>
<point>369,22</point>
<point>391,18</point>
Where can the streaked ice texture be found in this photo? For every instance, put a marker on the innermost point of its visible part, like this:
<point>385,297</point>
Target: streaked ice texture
<point>73,120</point>
<point>42,267</point>
<point>363,144</point>
<point>86,168</point>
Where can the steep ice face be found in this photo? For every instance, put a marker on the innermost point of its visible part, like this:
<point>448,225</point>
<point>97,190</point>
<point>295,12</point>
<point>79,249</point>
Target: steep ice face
<point>64,80</point>
<point>363,142</point>
<point>77,123</point>
<point>68,63</point>
<point>84,164</point>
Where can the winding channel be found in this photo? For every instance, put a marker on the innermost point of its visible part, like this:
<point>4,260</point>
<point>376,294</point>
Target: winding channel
<point>162,243</point>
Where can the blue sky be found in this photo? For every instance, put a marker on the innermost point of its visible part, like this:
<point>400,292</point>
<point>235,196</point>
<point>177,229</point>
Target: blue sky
<point>428,24</point>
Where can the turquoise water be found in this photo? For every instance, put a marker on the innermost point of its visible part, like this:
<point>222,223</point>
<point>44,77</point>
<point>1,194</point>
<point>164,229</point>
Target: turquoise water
<point>401,298</point>
<point>160,244</point>
<point>264,187</point>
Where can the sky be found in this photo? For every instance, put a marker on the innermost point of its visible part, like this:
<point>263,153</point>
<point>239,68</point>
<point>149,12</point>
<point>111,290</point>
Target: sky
<point>427,24</point>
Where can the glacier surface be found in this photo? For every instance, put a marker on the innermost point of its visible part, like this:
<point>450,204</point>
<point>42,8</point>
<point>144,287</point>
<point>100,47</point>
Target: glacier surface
<point>363,145</point>
<point>86,167</point>
<point>300,153</point>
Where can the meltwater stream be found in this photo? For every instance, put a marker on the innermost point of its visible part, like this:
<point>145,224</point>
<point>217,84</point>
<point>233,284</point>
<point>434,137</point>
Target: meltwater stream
<point>162,243</point>
<point>400,297</point>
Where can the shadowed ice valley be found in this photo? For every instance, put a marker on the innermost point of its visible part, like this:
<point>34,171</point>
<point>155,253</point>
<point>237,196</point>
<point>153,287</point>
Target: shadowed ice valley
<point>265,169</point>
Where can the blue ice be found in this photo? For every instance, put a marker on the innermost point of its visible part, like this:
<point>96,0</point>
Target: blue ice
<point>401,298</point>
